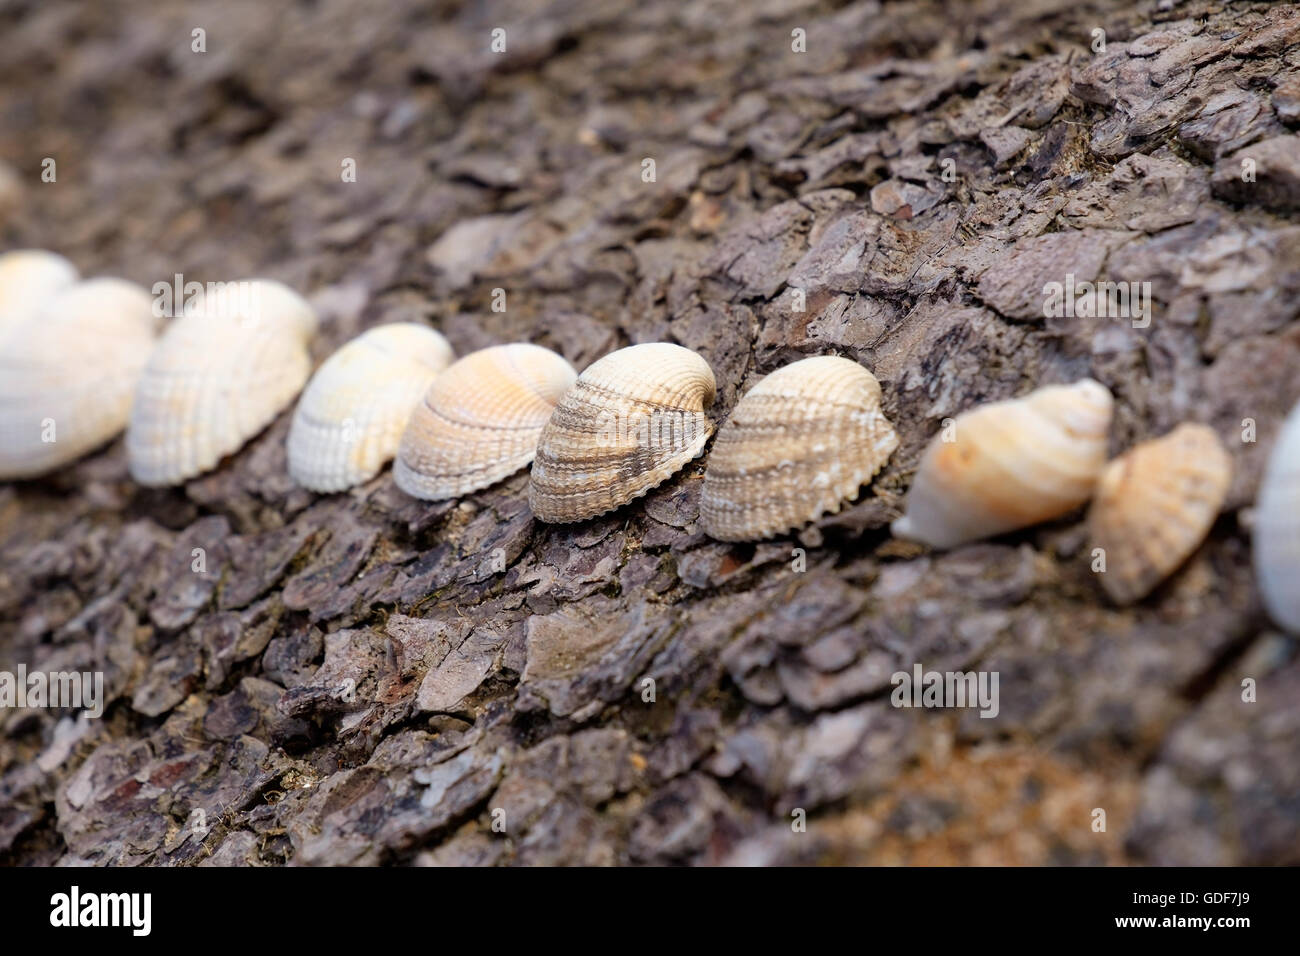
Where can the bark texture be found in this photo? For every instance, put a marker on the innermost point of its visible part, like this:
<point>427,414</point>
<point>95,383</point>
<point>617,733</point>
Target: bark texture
<point>353,679</point>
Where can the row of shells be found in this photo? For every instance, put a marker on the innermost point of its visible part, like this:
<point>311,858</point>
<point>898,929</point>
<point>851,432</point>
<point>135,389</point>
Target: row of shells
<point>800,444</point>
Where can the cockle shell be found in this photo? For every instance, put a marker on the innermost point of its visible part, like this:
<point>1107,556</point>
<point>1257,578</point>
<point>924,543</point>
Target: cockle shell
<point>218,376</point>
<point>350,418</point>
<point>1154,505</point>
<point>1276,543</point>
<point>67,374</point>
<point>798,445</point>
<point>28,278</point>
<point>480,420</point>
<point>1008,465</point>
<point>632,420</point>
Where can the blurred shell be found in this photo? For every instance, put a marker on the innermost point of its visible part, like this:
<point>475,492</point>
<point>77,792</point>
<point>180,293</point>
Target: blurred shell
<point>1154,506</point>
<point>631,421</point>
<point>480,420</point>
<point>74,366</point>
<point>28,277</point>
<point>349,420</point>
<point>799,444</point>
<point>218,376</point>
<point>1009,465</point>
<point>1277,528</point>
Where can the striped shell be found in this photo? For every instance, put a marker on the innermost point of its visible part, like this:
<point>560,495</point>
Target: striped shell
<point>631,421</point>
<point>1009,465</point>
<point>1276,543</point>
<point>67,374</point>
<point>350,418</point>
<point>1154,506</point>
<point>799,444</point>
<point>218,376</point>
<point>480,420</point>
<point>28,277</point>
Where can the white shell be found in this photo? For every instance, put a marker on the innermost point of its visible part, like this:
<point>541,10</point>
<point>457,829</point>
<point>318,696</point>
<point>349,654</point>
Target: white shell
<point>28,277</point>
<point>1276,542</point>
<point>67,374</point>
<point>219,375</point>
<point>1009,465</point>
<point>350,419</point>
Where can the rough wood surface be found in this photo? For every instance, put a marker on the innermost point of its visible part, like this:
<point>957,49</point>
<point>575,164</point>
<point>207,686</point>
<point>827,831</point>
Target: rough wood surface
<point>517,697</point>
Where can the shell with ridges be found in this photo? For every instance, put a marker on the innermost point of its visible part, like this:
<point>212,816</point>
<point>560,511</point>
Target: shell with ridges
<point>68,373</point>
<point>480,420</point>
<point>350,418</point>
<point>799,444</point>
<point>1009,465</point>
<point>217,377</point>
<point>28,278</point>
<point>1276,536</point>
<point>631,421</point>
<point>1154,505</point>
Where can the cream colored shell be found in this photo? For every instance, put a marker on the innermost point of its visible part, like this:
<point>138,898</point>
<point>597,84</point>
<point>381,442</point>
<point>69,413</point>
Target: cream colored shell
<point>1008,465</point>
<point>480,420</point>
<point>67,374</point>
<point>631,421</point>
<point>1154,506</point>
<point>350,418</point>
<point>799,444</point>
<point>218,376</point>
<point>1276,543</point>
<point>28,278</point>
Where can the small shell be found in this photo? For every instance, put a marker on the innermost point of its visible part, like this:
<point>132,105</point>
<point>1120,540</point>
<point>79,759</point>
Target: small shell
<point>480,420</point>
<point>218,376</point>
<point>67,374</point>
<point>1276,542</point>
<point>798,445</point>
<point>1154,506</point>
<point>28,278</point>
<point>631,421</point>
<point>1009,465</point>
<point>350,418</point>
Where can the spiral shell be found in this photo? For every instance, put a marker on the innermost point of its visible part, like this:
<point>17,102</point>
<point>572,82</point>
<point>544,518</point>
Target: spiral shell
<point>1154,505</point>
<point>1008,465</point>
<point>1276,544</point>
<point>219,375</point>
<point>480,420</point>
<point>28,278</point>
<point>631,421</point>
<point>798,445</point>
<point>67,374</point>
<point>349,420</point>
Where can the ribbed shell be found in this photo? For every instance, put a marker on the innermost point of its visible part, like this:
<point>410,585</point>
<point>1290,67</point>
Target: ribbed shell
<point>1276,542</point>
<point>799,444</point>
<point>631,421</point>
<point>215,380</point>
<point>28,278</point>
<point>1011,464</point>
<point>74,366</point>
<point>350,418</point>
<point>1154,506</point>
<point>480,420</point>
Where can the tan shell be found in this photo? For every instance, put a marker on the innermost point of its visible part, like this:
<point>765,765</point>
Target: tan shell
<point>631,421</point>
<point>1154,506</point>
<point>1009,465</point>
<point>480,420</point>
<point>799,444</point>
<point>1276,537</point>
<point>28,278</point>
<point>350,418</point>
<point>67,374</point>
<point>218,377</point>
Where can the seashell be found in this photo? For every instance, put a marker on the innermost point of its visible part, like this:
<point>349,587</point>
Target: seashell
<point>631,420</point>
<point>480,420</point>
<point>67,374</point>
<point>798,445</point>
<point>1154,505</point>
<point>350,418</point>
<point>1008,465</point>
<point>28,277</point>
<point>218,376</point>
<point>1276,543</point>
